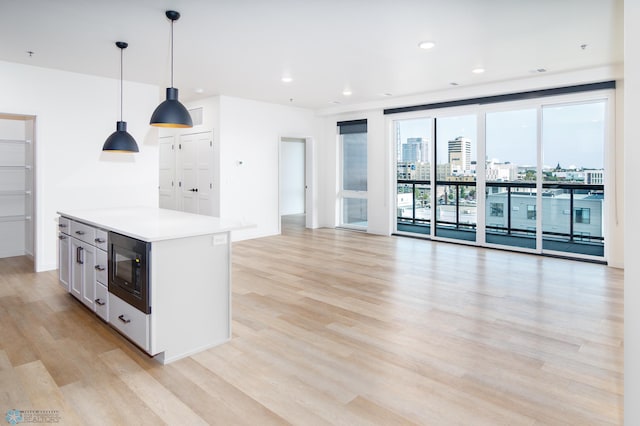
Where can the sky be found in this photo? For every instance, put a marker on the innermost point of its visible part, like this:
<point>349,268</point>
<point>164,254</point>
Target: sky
<point>573,135</point>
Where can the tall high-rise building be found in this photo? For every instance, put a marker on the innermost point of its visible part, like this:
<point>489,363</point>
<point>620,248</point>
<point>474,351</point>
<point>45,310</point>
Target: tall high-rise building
<point>460,154</point>
<point>415,150</point>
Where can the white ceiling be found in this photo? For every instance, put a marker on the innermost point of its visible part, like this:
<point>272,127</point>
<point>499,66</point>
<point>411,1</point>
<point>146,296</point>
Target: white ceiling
<point>243,47</point>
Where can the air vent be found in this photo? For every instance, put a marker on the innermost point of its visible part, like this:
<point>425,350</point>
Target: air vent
<point>196,116</point>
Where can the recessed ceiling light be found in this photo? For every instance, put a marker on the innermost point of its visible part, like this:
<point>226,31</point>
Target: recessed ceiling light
<point>477,70</point>
<point>286,79</point>
<point>346,92</point>
<point>426,45</point>
<point>199,90</point>
<point>387,94</point>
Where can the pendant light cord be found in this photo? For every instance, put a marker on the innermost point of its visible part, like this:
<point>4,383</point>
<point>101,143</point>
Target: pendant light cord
<point>172,53</point>
<point>121,91</point>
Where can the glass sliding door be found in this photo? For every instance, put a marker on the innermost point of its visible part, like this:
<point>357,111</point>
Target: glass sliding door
<point>353,193</point>
<point>511,173</point>
<point>455,190</point>
<point>413,174</point>
<point>573,141</point>
<point>539,164</point>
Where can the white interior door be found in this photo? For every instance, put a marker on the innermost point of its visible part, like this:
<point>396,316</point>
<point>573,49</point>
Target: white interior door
<point>196,173</point>
<point>204,194</point>
<point>167,193</point>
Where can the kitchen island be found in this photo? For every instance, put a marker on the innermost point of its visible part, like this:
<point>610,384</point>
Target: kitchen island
<point>189,286</point>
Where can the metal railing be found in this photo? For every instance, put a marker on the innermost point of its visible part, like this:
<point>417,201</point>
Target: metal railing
<point>569,188</point>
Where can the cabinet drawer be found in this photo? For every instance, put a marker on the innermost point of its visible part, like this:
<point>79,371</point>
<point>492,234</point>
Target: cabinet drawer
<point>129,321</point>
<point>102,301</point>
<point>101,266</point>
<point>83,232</point>
<point>100,240</point>
<point>64,225</point>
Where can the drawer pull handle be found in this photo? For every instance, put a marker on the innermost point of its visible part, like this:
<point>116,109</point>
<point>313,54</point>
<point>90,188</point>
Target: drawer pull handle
<point>80,232</point>
<point>101,302</point>
<point>123,319</point>
<point>62,225</point>
<point>99,268</point>
<point>62,237</point>
<point>100,240</point>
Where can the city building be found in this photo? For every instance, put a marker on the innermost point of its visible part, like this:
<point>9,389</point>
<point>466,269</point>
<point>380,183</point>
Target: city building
<point>415,150</point>
<point>460,155</point>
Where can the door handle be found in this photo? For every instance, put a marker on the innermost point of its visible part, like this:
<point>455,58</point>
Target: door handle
<point>98,268</point>
<point>79,258</point>
<point>194,190</point>
<point>100,302</point>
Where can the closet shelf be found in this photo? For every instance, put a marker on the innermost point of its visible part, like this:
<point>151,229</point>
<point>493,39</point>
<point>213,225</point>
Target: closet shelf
<point>14,167</point>
<point>8,192</point>
<point>19,218</point>
<point>15,141</point>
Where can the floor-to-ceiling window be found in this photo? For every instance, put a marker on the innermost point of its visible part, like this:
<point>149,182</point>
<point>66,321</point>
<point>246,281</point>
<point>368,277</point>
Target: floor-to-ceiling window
<point>455,190</point>
<point>538,160</point>
<point>511,177</point>
<point>413,141</point>
<point>573,141</point>
<point>353,174</point>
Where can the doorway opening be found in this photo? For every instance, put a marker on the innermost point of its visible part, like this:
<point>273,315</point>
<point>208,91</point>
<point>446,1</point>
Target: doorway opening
<point>293,184</point>
<point>17,216</point>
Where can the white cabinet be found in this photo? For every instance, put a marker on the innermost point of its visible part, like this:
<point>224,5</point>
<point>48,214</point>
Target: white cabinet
<point>83,272</point>
<point>64,252</point>
<point>102,301</point>
<point>83,264</point>
<point>130,321</point>
<point>64,272</point>
<point>101,298</point>
<point>190,264</point>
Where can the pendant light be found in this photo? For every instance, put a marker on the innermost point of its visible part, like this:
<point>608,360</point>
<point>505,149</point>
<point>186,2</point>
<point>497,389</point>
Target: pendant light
<point>171,113</point>
<point>121,140</point>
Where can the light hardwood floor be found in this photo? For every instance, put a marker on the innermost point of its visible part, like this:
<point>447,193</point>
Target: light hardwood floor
<point>338,327</point>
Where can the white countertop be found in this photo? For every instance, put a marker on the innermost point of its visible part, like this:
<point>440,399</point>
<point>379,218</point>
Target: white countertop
<point>154,224</point>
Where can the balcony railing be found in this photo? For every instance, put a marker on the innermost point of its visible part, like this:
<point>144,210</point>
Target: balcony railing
<point>583,228</point>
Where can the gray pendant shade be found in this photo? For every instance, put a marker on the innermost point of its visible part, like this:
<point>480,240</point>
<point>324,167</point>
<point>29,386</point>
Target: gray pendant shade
<point>171,113</point>
<point>120,140</point>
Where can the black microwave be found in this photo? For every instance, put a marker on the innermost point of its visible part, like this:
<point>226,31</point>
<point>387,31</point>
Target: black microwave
<point>130,270</point>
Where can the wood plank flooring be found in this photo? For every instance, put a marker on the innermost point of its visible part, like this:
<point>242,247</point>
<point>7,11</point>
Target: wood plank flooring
<point>339,328</point>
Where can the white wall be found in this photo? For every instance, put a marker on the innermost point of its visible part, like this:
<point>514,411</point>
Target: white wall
<point>75,113</point>
<point>292,176</point>
<point>250,133</point>
<point>631,209</point>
